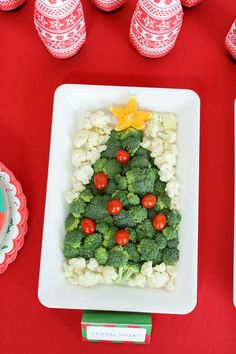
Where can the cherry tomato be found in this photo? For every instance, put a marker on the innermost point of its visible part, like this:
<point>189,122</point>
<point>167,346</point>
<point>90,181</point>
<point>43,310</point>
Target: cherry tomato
<point>88,226</point>
<point>114,206</point>
<point>100,180</point>
<point>122,237</point>
<point>122,156</point>
<point>149,201</point>
<point>159,221</point>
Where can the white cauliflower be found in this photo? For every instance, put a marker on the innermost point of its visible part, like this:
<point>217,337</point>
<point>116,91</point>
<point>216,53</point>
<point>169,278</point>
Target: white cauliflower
<point>109,274</point>
<point>84,173</point>
<point>89,278</point>
<point>77,263</point>
<point>138,281</point>
<point>172,187</point>
<point>92,264</point>
<point>158,280</point>
<point>160,268</point>
<point>78,156</point>
<point>169,121</point>
<point>147,269</point>
<point>166,172</point>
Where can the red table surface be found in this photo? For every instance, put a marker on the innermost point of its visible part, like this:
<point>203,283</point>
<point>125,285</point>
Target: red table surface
<point>28,79</point>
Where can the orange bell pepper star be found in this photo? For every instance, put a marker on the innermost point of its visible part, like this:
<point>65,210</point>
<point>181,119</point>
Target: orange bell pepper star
<point>129,116</point>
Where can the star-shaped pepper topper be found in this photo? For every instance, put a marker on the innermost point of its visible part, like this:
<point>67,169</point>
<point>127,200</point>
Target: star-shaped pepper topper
<point>129,116</point>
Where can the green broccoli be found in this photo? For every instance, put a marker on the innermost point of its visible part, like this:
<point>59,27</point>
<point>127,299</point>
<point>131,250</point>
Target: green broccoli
<point>113,145</point>
<point>108,233</point>
<point>132,234</point>
<point>101,255</point>
<point>77,207</point>
<point>170,255</point>
<point>173,218</point>
<point>121,182</point>
<point>86,195</point>
<point>112,168</point>
<point>130,140</point>
<point>137,213</point>
<point>102,228</point>
<point>126,167</point>
<point>140,180</point>
<point>117,257</point>
<point>161,241</point>
<point>159,258</point>
<point>143,153</point>
<point>145,230</point>
<point>99,165</point>
<point>122,196</point>
<point>72,244</point>
<point>111,187</point>
<point>163,202</point>
<point>130,218</point>
<point>173,243</point>
<point>131,248</point>
<point>133,199</point>
<point>148,249</point>
<point>71,223</point>
<point>170,233</point>
<point>140,161</point>
<point>97,209</point>
<point>151,213</point>
<point>126,272</point>
<point>159,186</point>
<point>91,243</point>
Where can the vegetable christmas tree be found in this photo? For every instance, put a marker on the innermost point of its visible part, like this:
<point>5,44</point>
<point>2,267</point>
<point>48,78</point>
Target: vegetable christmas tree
<point>123,216</point>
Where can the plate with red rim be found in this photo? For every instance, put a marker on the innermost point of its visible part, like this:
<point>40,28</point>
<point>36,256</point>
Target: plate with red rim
<point>17,227</point>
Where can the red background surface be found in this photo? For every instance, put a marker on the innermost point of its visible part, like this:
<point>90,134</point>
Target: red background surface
<point>28,79</point>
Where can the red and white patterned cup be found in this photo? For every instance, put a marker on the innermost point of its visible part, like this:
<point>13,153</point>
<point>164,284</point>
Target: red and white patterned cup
<point>230,40</point>
<point>61,26</point>
<point>155,26</point>
<point>190,3</point>
<point>8,5</point>
<point>108,5</point>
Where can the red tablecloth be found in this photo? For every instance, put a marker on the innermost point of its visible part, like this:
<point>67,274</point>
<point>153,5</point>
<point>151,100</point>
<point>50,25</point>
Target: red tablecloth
<point>28,78</point>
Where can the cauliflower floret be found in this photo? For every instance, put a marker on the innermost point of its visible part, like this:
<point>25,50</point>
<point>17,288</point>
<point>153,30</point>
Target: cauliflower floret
<point>78,156</point>
<point>92,156</point>
<point>175,203</point>
<point>84,173</point>
<point>170,286</point>
<point>102,139</point>
<point>166,157</point>
<point>169,121</point>
<point>172,187</point>
<point>99,119</point>
<point>138,281</point>
<point>101,148</point>
<point>92,264</point>
<point>77,263</point>
<point>169,136</point>
<point>67,269</point>
<point>89,278</point>
<point>156,147</point>
<point>109,274</point>
<point>160,268</point>
<point>158,280</point>
<point>86,123</point>
<point>147,269</point>
<point>152,128</point>
<point>146,143</point>
<point>78,186</point>
<point>92,139</point>
<point>171,270</point>
<point>166,172</point>
<point>70,196</point>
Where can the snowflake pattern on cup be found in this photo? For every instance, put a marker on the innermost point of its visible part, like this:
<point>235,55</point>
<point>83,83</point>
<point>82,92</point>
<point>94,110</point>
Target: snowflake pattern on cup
<point>108,5</point>
<point>230,40</point>
<point>155,26</point>
<point>7,5</point>
<point>190,3</point>
<point>61,26</point>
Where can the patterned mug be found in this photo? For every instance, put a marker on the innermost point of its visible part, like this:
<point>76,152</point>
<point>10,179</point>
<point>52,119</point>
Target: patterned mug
<point>108,5</point>
<point>190,3</point>
<point>230,40</point>
<point>8,5</point>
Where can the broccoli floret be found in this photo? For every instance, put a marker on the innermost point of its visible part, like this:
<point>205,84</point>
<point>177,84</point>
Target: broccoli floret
<point>170,255</point>
<point>163,201</point>
<point>173,218</point>
<point>97,209</point>
<point>159,186</point>
<point>159,258</point>
<point>122,196</point>
<point>132,234</point>
<point>130,140</point>
<point>111,187</point>
<point>127,271</point>
<point>131,248</point>
<point>117,257</point>
<point>151,213</point>
<point>121,182</point>
<point>86,195</point>
<point>140,180</point>
<point>145,230</point>
<point>71,223</point>
<point>170,233</point>
<point>91,243</point>
<point>109,243</point>
<point>148,249</point>
<point>102,227</point>
<point>143,153</point>
<point>161,241</point>
<point>108,233</point>
<point>133,199</point>
<point>173,243</point>
<point>77,207</point>
<point>126,167</point>
<point>101,255</point>
<point>99,165</point>
<point>113,145</point>
<point>130,218</point>
<point>72,244</point>
<point>112,168</point>
<point>140,161</point>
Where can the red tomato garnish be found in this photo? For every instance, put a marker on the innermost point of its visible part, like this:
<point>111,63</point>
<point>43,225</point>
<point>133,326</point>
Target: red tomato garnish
<point>122,156</point>
<point>114,206</point>
<point>88,226</point>
<point>149,201</point>
<point>159,221</point>
<point>122,237</point>
<point>100,180</point>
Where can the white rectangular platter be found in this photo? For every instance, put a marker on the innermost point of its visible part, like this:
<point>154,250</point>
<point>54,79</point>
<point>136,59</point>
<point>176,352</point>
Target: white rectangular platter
<point>70,104</point>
